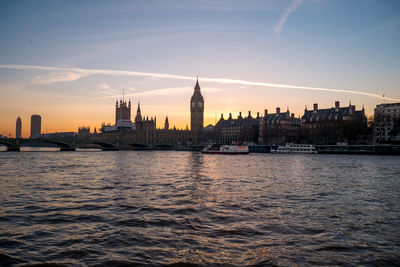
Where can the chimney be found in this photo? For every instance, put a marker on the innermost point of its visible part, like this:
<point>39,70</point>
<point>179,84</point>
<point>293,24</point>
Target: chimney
<point>249,116</point>
<point>315,107</point>
<point>240,114</point>
<point>278,110</point>
<point>230,116</point>
<point>337,104</point>
<point>265,112</point>
<point>258,115</point>
<point>222,116</point>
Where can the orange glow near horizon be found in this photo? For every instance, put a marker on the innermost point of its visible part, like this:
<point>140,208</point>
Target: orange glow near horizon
<point>64,119</point>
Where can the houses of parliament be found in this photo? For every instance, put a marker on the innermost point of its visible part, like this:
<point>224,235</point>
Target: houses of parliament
<point>338,124</point>
<point>143,129</point>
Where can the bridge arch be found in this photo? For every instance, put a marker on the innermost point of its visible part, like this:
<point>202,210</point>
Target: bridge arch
<point>103,145</point>
<point>11,146</point>
<point>139,146</point>
<point>163,146</point>
<point>65,146</point>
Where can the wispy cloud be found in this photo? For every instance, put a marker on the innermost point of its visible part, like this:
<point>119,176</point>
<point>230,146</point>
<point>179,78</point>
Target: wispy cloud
<point>166,92</point>
<point>86,72</point>
<point>293,6</point>
<point>63,76</point>
<point>103,86</point>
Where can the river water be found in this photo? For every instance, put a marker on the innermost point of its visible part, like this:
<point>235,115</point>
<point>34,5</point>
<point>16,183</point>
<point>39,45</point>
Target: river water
<point>165,207</point>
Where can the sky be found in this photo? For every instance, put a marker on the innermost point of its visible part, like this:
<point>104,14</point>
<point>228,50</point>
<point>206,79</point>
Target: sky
<point>69,61</point>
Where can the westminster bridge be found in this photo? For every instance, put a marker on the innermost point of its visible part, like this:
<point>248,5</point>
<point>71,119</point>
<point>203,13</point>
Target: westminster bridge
<point>73,144</point>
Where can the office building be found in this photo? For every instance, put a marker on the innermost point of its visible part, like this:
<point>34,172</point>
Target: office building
<point>36,125</point>
<point>18,128</point>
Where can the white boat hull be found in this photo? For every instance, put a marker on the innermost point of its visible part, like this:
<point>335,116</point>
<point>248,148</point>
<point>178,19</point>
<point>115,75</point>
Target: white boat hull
<point>38,149</point>
<point>295,149</point>
<point>3,148</point>
<point>292,152</point>
<point>232,150</point>
<point>89,149</point>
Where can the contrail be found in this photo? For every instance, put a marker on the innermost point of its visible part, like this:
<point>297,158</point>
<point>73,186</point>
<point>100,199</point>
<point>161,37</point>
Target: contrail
<point>87,72</point>
<point>293,6</point>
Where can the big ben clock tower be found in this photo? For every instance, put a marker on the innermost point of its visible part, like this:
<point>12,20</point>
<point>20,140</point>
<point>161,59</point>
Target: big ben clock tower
<point>196,114</point>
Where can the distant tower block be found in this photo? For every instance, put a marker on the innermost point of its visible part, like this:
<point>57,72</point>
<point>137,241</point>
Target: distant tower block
<point>18,128</point>
<point>197,114</point>
<point>36,126</point>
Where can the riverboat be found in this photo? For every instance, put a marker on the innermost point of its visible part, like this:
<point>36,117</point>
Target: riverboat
<point>3,148</point>
<point>295,149</point>
<point>38,149</point>
<point>88,149</point>
<point>225,149</point>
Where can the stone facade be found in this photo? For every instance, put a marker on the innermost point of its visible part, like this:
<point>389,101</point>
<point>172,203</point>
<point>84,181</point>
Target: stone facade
<point>334,125</point>
<point>279,128</point>
<point>387,123</point>
<point>239,130</point>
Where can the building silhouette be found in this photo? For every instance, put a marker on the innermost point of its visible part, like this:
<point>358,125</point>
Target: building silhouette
<point>239,130</point>
<point>279,128</point>
<point>18,128</point>
<point>334,125</point>
<point>145,128</point>
<point>122,111</point>
<point>387,123</point>
<point>166,124</point>
<point>196,114</point>
<point>36,125</point>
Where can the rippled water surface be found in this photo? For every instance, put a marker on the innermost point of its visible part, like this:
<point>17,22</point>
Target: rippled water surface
<point>129,208</point>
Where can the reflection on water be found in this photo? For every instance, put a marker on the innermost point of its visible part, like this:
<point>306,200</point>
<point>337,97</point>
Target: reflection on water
<point>149,207</point>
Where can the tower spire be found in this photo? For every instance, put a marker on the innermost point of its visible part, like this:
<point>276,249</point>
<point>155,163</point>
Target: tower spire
<point>197,87</point>
<point>138,117</point>
<point>166,124</point>
<point>197,114</point>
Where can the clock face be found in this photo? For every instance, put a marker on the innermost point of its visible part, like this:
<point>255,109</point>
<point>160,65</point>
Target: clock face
<point>193,104</point>
<point>200,104</point>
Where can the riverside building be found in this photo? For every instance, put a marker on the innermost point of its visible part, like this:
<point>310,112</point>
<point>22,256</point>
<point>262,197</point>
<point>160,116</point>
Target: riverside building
<point>143,130</point>
<point>387,123</point>
<point>279,128</point>
<point>239,130</point>
<point>334,125</point>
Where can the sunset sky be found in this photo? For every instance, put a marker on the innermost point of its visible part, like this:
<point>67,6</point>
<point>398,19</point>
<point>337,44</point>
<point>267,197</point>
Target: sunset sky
<point>69,61</point>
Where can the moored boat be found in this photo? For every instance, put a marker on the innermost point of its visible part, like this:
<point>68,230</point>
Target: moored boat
<point>89,148</point>
<point>38,149</point>
<point>225,149</point>
<point>38,146</point>
<point>291,148</point>
<point>3,148</point>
